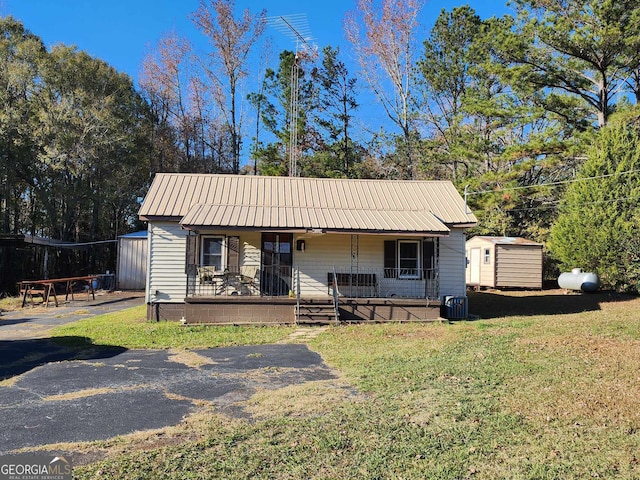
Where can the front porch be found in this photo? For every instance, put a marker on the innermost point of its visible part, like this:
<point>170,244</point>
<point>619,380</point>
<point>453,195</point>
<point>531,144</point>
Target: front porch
<point>279,294</point>
<point>262,310</point>
<point>315,282</point>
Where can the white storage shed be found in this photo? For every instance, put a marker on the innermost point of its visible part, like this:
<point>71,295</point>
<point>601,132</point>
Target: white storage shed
<point>504,262</point>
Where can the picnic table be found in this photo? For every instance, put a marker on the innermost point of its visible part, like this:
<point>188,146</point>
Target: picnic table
<point>47,289</point>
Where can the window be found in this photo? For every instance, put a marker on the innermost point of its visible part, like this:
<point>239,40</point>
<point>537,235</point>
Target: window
<point>409,259</point>
<point>487,256</point>
<point>212,253</point>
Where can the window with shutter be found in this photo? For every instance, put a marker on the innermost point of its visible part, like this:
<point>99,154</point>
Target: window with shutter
<point>390,270</point>
<point>409,259</point>
<point>212,252</point>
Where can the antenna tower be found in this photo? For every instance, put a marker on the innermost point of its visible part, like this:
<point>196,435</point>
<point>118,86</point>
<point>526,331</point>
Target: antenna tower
<point>296,28</point>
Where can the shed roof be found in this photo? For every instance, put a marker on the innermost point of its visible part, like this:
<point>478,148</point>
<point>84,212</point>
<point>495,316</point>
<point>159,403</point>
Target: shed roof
<point>300,203</point>
<point>505,240</point>
<point>139,234</point>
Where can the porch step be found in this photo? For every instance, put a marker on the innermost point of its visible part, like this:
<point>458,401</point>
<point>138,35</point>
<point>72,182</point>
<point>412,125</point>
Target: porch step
<point>316,313</point>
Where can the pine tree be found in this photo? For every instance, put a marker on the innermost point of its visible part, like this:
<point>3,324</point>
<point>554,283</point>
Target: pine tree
<point>597,228</point>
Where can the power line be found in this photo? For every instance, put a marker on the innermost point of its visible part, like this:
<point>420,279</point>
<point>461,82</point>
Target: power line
<point>550,184</point>
<point>557,204</point>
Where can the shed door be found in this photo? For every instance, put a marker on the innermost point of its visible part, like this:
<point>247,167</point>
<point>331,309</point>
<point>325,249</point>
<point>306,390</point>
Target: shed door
<point>474,266</point>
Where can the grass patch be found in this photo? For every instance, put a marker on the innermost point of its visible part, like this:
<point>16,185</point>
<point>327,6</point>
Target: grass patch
<point>130,329</point>
<point>519,396</point>
<point>11,304</point>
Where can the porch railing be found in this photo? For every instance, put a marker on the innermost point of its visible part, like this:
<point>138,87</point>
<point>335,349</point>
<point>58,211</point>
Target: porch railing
<point>206,280</point>
<point>385,282</point>
<point>350,282</point>
<point>335,297</point>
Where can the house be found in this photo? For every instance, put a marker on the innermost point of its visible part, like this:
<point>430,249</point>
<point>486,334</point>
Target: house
<point>504,262</point>
<point>252,249</point>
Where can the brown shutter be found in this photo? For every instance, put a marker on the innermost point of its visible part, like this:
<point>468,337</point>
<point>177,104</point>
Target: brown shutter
<point>428,258</point>
<point>390,270</point>
<point>233,254</point>
<point>191,254</point>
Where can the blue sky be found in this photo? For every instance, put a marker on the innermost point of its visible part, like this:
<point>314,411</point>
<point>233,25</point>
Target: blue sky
<point>120,32</point>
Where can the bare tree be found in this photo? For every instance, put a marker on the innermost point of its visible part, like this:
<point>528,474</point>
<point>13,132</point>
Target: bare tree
<point>163,79</point>
<point>383,40</point>
<point>231,40</point>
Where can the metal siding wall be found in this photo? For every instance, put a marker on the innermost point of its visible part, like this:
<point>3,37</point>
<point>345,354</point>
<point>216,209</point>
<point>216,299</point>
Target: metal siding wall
<point>132,263</point>
<point>519,266</point>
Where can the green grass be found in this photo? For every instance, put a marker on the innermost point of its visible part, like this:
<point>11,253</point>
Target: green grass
<point>532,396</point>
<point>129,329</point>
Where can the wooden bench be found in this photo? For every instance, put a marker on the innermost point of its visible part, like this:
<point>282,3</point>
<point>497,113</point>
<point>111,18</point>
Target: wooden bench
<point>29,291</point>
<point>353,280</point>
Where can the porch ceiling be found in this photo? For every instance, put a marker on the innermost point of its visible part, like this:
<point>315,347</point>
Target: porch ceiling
<point>325,219</point>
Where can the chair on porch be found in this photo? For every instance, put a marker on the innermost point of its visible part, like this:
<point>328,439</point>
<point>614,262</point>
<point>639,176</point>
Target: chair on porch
<point>208,275</point>
<point>250,278</point>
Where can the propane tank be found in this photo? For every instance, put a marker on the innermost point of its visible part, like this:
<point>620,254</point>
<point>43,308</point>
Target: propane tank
<point>576,279</point>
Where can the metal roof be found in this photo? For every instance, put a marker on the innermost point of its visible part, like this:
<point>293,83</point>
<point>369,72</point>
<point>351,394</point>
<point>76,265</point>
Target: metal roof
<point>506,240</point>
<point>139,234</point>
<point>300,203</point>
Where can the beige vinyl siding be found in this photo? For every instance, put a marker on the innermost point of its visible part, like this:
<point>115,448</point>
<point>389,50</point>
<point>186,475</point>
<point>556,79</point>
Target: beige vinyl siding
<point>518,266</point>
<point>249,248</point>
<point>452,264</point>
<point>321,253</point>
<point>324,252</point>
<point>249,244</point>
<point>166,276</point>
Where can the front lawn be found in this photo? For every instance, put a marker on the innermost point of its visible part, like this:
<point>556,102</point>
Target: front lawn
<point>519,396</point>
<point>129,329</point>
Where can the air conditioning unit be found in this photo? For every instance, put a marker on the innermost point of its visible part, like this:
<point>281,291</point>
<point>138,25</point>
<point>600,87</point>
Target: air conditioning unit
<point>454,308</point>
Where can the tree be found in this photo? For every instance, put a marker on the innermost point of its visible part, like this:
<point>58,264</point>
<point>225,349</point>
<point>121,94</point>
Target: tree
<point>598,225</point>
<point>446,75</point>
<point>585,49</point>
<point>92,157</point>
<point>276,113</point>
<point>231,40</point>
<point>385,48</point>
<point>21,55</point>
<point>165,79</point>
<point>336,106</point>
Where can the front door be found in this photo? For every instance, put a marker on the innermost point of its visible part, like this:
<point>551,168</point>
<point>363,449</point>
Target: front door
<point>277,259</point>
